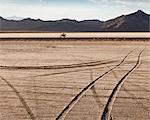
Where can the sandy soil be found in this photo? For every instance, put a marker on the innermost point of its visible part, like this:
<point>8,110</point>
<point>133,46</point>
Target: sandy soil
<point>38,79</point>
<point>78,35</point>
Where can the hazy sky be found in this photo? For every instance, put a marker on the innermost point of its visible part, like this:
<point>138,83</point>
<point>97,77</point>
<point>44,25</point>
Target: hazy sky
<point>73,9</point>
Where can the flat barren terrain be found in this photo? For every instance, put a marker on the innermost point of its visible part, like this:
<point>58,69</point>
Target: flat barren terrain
<point>76,35</point>
<point>74,80</point>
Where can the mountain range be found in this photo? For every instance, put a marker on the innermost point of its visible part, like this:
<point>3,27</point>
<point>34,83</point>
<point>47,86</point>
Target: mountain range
<point>134,22</point>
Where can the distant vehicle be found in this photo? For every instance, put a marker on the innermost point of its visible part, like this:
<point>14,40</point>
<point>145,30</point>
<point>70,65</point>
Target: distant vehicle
<point>63,35</point>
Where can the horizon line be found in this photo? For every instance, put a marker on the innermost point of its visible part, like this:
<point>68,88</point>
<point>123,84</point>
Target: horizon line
<point>24,18</point>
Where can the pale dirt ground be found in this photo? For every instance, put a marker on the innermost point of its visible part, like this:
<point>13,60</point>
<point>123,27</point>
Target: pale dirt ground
<point>48,91</point>
<point>78,35</point>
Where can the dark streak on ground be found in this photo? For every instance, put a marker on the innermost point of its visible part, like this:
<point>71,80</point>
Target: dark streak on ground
<point>77,97</point>
<point>22,100</point>
<point>106,111</point>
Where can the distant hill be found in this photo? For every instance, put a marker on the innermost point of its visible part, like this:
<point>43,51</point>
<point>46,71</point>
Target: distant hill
<point>14,18</point>
<point>138,21</point>
<point>135,22</point>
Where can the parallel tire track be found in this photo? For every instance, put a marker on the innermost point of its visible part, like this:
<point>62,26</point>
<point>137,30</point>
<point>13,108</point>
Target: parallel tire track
<point>106,115</point>
<point>22,100</point>
<point>71,104</point>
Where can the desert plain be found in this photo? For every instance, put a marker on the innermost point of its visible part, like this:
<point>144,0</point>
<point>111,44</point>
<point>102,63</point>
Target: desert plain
<point>74,79</point>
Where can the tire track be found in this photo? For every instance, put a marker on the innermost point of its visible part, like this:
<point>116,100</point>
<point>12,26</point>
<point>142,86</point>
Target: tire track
<point>66,110</point>
<point>93,89</point>
<point>106,115</point>
<point>22,100</point>
<point>129,93</point>
<point>64,72</point>
<point>88,64</point>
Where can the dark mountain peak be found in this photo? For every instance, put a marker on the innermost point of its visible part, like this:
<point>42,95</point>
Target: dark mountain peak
<point>137,21</point>
<point>138,13</point>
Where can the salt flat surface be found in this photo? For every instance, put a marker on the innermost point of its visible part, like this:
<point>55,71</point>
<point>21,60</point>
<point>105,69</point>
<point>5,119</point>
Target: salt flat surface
<point>78,35</point>
<point>47,91</point>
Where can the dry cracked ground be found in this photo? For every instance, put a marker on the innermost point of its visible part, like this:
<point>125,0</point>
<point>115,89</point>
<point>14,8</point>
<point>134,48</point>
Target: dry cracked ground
<point>54,80</point>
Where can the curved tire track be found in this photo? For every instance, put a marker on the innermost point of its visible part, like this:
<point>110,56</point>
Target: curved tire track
<point>88,64</point>
<point>129,93</point>
<point>106,115</point>
<point>66,110</point>
<point>22,100</point>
